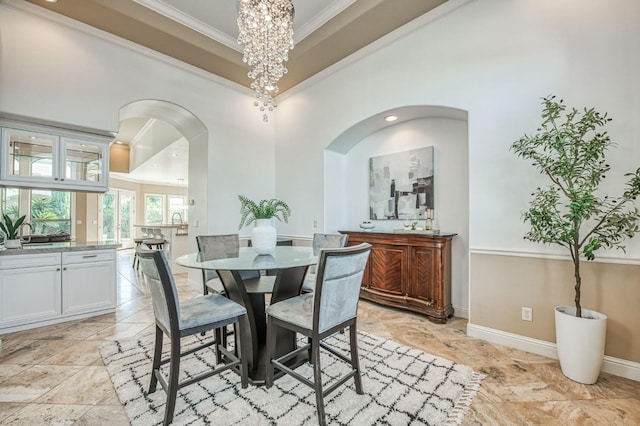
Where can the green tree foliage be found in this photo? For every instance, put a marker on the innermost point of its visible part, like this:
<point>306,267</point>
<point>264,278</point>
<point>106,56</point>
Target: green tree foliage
<point>570,149</point>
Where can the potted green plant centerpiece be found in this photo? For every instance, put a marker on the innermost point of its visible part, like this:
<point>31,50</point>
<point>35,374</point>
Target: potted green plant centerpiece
<point>569,149</point>
<point>263,235</point>
<point>10,229</point>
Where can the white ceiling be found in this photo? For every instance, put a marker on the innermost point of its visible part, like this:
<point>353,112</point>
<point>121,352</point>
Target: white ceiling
<point>169,166</point>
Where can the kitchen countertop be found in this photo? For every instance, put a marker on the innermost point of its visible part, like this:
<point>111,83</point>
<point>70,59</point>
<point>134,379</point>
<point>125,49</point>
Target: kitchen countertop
<point>164,225</point>
<point>60,247</point>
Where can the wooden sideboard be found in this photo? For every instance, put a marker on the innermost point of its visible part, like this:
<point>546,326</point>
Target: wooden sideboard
<point>409,271</point>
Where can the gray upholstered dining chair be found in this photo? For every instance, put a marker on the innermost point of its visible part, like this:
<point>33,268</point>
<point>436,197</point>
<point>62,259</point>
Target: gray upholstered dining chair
<point>321,241</point>
<point>218,247</point>
<point>178,319</point>
<point>331,308</point>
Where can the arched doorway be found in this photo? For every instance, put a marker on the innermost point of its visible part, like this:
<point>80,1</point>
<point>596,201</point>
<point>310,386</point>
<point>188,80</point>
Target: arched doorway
<point>195,133</point>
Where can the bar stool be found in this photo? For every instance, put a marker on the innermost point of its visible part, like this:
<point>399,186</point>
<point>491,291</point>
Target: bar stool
<point>157,240</point>
<point>136,260</point>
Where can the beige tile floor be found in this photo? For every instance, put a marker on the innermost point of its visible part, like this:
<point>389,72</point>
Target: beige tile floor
<point>55,375</point>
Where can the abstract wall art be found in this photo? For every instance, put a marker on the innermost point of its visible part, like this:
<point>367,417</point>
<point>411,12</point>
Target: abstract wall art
<point>401,185</point>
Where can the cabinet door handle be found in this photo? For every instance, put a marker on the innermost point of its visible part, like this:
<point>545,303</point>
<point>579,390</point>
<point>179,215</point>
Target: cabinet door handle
<point>58,269</point>
<point>61,179</point>
<point>55,178</point>
<point>87,256</point>
<point>64,269</point>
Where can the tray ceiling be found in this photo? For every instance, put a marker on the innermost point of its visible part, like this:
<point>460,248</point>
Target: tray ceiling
<point>203,32</point>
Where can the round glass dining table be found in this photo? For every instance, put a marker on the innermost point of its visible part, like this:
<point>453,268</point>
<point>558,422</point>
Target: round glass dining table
<point>290,266</point>
<point>247,258</point>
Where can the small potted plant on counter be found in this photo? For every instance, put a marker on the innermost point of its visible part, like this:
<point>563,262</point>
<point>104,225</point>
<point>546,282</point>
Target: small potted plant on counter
<point>263,235</point>
<point>10,229</point>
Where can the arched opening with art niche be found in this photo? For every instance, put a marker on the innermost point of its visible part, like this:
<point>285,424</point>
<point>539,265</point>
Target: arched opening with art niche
<point>347,176</point>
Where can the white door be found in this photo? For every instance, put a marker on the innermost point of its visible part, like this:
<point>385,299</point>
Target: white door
<point>126,217</point>
<point>117,213</point>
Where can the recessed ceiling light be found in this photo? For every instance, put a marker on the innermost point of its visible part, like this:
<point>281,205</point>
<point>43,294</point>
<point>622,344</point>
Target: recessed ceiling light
<point>174,155</point>
<point>51,1</point>
<point>391,118</point>
<point>119,142</point>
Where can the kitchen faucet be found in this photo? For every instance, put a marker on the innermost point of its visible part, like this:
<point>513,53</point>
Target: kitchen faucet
<point>22,238</point>
<point>173,217</point>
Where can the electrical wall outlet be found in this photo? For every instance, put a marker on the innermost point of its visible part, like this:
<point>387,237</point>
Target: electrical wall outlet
<point>527,314</point>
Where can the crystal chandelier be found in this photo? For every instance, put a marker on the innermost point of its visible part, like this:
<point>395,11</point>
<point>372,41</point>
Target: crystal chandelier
<point>266,32</point>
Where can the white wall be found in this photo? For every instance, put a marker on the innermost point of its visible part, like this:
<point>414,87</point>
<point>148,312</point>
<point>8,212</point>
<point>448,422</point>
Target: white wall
<point>494,59</point>
<point>56,69</point>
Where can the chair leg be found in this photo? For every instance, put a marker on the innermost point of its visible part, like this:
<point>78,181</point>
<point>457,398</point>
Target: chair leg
<point>174,372</point>
<point>205,291</point>
<point>355,361</point>
<point>157,357</point>
<point>224,335</point>
<point>244,362</point>
<point>271,351</point>
<point>317,381</point>
<point>218,336</point>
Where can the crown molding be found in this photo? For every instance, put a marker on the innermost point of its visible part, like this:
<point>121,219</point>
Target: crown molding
<point>190,22</point>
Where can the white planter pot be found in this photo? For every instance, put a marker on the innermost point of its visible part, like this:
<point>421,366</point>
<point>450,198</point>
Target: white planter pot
<point>580,343</point>
<point>263,236</point>
<point>12,244</point>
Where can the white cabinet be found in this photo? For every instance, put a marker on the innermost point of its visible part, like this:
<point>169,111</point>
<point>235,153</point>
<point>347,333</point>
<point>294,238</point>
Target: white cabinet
<point>30,288</point>
<point>37,156</point>
<point>39,289</point>
<point>88,281</point>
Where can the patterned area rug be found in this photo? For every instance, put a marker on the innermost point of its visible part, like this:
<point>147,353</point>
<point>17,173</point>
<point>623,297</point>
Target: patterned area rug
<point>403,386</point>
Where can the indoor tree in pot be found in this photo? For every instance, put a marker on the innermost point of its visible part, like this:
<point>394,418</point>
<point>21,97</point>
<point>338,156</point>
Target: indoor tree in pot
<point>263,235</point>
<point>10,229</point>
<point>569,149</point>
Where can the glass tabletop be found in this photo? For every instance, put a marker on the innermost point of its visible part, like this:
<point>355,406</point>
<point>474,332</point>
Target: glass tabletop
<point>282,257</point>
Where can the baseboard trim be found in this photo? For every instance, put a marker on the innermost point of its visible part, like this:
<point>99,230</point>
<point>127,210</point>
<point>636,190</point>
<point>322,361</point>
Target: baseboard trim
<point>612,365</point>
<point>460,312</point>
<point>52,321</point>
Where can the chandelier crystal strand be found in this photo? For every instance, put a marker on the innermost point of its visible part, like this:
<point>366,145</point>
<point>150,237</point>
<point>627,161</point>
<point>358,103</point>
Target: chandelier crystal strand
<point>266,32</point>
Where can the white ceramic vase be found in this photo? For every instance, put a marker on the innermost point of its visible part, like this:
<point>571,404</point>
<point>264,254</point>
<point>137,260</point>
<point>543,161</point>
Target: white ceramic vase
<point>12,244</point>
<point>580,343</point>
<point>263,236</point>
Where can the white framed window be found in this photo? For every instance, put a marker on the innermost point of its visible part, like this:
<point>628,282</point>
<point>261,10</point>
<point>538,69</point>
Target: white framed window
<point>154,209</point>
<point>49,212</point>
<point>178,208</point>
